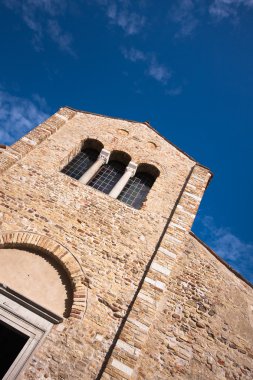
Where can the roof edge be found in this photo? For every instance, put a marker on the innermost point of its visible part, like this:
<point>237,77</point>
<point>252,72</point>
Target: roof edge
<point>153,129</point>
<point>221,260</point>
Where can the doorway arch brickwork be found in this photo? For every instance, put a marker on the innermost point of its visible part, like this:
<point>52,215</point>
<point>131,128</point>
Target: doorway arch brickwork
<point>61,254</point>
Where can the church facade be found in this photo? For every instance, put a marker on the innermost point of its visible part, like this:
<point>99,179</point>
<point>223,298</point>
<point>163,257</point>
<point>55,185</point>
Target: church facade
<point>100,274</point>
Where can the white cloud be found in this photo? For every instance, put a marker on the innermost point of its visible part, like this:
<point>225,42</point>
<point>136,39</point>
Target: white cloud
<point>224,242</point>
<point>158,71</point>
<point>133,54</point>
<point>18,115</point>
<point>188,14</point>
<point>119,13</point>
<point>184,14</point>
<point>227,245</point>
<point>154,69</point>
<point>42,18</point>
<point>61,38</point>
<point>221,9</point>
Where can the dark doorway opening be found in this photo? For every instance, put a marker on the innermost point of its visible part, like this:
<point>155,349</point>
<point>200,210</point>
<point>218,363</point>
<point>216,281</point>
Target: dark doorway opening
<point>11,343</point>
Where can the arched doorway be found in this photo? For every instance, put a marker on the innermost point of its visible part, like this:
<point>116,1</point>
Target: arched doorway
<point>41,283</point>
<point>38,277</point>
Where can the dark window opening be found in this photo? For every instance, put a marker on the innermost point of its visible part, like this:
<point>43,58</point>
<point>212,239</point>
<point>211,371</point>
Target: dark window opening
<point>12,342</point>
<point>81,163</point>
<point>137,189</point>
<point>108,176</point>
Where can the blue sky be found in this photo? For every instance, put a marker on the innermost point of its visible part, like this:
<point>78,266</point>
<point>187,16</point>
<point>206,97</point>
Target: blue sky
<point>185,66</point>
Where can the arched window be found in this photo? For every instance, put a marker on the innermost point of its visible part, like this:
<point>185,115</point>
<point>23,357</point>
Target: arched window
<point>109,174</point>
<point>84,159</point>
<point>138,187</point>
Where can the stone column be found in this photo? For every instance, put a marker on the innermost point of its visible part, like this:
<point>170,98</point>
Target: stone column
<point>103,159</point>
<point>130,172</point>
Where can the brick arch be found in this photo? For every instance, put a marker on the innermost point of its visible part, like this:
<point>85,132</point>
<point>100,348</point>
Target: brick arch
<point>61,254</point>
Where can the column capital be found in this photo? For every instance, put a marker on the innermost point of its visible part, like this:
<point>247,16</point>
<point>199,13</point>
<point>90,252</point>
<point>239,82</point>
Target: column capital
<point>132,167</point>
<point>104,155</point>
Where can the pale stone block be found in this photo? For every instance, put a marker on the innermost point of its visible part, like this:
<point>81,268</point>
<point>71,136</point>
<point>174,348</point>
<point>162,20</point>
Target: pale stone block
<point>140,325</point>
<point>196,197</point>
<point>191,186</point>
<point>159,268</point>
<point>167,252</point>
<point>156,283</point>
<point>146,298</point>
<point>61,116</point>
<point>177,226</point>
<point>99,337</point>
<point>182,210</point>
<point>122,367</point>
<point>29,141</point>
<point>128,348</point>
<point>11,154</point>
<point>172,238</point>
<point>198,178</point>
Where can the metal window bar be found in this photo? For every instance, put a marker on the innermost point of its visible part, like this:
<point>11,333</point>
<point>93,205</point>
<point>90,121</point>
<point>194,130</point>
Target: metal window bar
<point>108,176</point>
<point>136,190</point>
<point>80,163</point>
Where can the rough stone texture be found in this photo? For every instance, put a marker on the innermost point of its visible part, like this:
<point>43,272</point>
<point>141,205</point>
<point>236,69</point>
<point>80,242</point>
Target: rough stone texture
<point>150,301</point>
<point>205,327</point>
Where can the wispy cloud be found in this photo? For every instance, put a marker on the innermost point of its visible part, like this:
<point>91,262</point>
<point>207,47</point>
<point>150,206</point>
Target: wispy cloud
<point>229,246</point>
<point>221,9</point>
<point>184,14</point>
<point>61,38</point>
<point>156,70</point>
<point>133,54</point>
<point>42,18</point>
<point>121,14</point>
<point>224,242</point>
<point>19,115</point>
<point>189,14</point>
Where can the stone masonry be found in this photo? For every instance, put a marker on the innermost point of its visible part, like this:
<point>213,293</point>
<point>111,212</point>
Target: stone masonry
<point>150,300</point>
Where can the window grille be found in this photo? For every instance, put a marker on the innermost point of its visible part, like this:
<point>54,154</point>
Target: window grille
<point>136,190</point>
<point>108,176</point>
<point>80,163</point>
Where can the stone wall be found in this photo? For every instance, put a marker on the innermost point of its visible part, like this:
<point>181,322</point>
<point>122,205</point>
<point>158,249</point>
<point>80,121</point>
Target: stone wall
<point>124,263</point>
<point>205,327</point>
